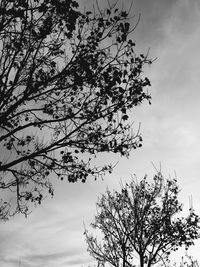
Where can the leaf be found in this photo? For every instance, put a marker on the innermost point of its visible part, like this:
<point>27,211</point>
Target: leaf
<point>108,11</point>
<point>125,117</point>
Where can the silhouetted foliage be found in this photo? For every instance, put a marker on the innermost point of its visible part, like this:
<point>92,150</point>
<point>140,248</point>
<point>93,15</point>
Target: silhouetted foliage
<point>67,80</point>
<point>142,220</point>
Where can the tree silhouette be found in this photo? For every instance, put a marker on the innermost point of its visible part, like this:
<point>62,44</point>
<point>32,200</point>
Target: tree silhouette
<point>141,220</point>
<point>188,261</point>
<point>67,81</point>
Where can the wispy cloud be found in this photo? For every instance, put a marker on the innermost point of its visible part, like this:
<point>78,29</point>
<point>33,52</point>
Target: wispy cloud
<point>49,258</point>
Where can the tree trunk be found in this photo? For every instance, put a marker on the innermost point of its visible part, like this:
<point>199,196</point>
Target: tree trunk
<point>141,261</point>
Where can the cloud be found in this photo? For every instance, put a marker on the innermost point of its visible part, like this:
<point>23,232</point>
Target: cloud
<point>49,258</point>
<point>161,21</point>
<point>41,259</point>
<point>77,261</point>
<point>66,258</point>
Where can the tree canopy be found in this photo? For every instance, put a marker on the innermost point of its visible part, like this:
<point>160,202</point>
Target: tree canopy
<point>141,221</point>
<point>67,81</point>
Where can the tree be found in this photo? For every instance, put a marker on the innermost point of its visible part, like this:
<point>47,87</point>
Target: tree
<point>67,81</point>
<point>188,261</point>
<point>142,220</point>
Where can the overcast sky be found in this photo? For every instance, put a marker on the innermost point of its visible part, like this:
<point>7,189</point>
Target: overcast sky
<point>52,236</point>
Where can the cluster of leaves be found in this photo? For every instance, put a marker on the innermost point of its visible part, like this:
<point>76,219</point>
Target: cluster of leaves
<point>67,81</point>
<point>142,219</point>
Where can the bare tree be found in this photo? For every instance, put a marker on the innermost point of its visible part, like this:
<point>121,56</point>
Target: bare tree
<point>142,220</point>
<point>67,80</point>
<point>188,261</point>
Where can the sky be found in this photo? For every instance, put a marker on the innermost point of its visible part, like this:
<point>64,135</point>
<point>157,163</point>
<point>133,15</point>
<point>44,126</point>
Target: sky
<point>52,235</point>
